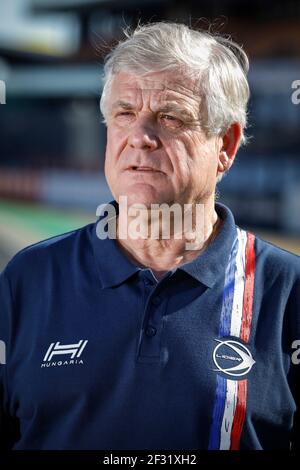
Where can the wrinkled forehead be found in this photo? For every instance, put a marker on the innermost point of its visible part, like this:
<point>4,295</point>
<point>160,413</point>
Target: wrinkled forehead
<point>157,86</point>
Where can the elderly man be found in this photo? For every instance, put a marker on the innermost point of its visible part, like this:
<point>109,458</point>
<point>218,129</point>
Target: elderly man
<point>125,342</point>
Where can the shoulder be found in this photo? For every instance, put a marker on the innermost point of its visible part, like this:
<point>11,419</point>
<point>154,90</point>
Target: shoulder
<point>60,247</point>
<point>276,267</point>
<point>276,257</point>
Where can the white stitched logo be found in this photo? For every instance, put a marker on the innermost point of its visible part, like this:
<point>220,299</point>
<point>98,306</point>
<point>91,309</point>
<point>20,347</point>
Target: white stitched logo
<point>232,358</point>
<point>74,352</point>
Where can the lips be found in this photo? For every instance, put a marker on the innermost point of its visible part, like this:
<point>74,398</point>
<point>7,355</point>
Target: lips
<point>143,169</point>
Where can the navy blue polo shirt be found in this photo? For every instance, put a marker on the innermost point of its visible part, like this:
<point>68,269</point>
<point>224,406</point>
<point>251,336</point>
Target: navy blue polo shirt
<point>100,355</point>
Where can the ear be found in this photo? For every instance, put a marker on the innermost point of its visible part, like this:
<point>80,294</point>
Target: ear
<point>229,145</point>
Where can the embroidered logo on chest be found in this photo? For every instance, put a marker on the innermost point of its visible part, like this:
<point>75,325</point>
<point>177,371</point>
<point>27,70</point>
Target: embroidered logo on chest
<point>232,358</point>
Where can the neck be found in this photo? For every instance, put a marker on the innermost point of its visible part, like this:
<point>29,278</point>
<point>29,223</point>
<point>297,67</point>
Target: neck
<point>185,241</point>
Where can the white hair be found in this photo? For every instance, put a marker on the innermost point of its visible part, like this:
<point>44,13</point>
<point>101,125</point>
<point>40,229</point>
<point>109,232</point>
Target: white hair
<point>218,65</point>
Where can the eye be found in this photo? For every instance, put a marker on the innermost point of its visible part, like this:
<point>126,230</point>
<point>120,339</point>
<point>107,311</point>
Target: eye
<point>124,113</point>
<point>171,122</point>
<point>123,117</point>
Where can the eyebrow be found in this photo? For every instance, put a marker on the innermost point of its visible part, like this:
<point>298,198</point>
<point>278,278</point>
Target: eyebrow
<point>166,108</point>
<point>122,104</point>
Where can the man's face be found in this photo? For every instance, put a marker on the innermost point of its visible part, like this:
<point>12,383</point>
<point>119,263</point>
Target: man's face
<point>156,150</point>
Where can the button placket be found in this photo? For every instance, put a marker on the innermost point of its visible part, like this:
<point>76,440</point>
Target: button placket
<point>156,300</point>
<point>150,331</point>
<point>150,341</point>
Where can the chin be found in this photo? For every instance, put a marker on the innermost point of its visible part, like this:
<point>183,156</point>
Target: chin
<point>141,194</point>
<point>137,199</point>
<point>144,199</point>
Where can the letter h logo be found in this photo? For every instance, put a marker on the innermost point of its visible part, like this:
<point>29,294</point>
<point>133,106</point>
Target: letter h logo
<point>58,349</point>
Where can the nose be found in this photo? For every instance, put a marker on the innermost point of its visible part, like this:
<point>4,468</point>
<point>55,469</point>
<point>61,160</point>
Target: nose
<point>143,136</point>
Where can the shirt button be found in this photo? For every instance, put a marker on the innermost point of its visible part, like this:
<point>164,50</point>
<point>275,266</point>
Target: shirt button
<point>156,300</point>
<point>149,282</point>
<point>150,331</point>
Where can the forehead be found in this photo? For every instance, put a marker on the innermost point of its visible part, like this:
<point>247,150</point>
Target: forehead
<point>157,87</point>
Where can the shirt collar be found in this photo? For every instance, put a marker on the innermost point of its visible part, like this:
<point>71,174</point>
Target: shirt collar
<point>207,267</point>
<point>114,267</point>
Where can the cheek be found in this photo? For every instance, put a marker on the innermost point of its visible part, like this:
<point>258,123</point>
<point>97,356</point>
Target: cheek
<point>204,156</point>
<point>110,144</point>
<point>116,142</point>
<point>179,157</point>
<point>110,156</point>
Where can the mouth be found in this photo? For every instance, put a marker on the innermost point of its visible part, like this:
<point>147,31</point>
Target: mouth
<point>143,169</point>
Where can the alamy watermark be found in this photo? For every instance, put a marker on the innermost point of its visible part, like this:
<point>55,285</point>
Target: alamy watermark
<point>2,92</point>
<point>296,353</point>
<point>2,352</point>
<point>160,221</point>
<point>295,97</point>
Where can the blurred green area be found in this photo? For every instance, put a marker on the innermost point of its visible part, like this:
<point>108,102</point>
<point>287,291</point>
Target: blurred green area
<point>22,224</point>
<point>43,220</point>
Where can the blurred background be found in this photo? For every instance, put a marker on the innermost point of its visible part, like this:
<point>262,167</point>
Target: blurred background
<point>52,140</point>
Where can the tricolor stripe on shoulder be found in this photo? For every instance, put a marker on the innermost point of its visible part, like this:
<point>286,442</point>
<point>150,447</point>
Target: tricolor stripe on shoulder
<point>236,319</point>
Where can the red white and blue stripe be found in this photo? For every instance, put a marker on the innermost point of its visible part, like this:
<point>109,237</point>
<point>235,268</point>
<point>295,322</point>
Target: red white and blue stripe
<point>236,319</point>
